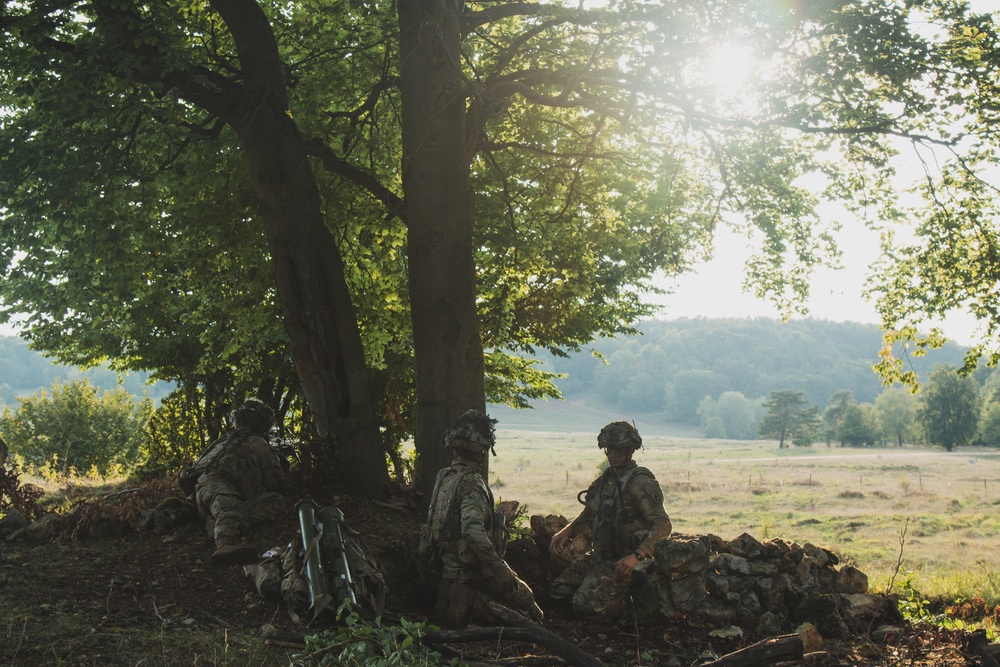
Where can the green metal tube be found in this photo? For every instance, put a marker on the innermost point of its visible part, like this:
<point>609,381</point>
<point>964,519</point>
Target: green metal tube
<point>311,531</point>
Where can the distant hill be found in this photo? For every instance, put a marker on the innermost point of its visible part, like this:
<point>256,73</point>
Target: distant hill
<point>661,375</point>
<point>24,372</point>
<point>666,372</point>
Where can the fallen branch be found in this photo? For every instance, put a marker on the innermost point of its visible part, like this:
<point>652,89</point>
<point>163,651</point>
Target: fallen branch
<point>520,629</point>
<point>786,648</point>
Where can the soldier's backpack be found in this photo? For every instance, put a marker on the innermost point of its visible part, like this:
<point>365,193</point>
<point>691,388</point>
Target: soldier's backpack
<point>443,525</point>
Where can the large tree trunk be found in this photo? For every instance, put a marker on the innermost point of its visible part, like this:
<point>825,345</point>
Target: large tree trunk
<point>318,313</point>
<point>438,211</point>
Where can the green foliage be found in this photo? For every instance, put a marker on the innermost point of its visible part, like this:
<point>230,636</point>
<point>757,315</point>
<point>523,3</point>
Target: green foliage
<point>518,526</point>
<point>858,426</point>
<point>789,416</point>
<point>78,429</point>
<point>357,643</point>
<point>836,408</point>
<point>174,433</point>
<point>599,153</point>
<point>897,409</point>
<point>949,408</point>
<point>989,425</point>
<point>733,416</point>
<point>692,358</point>
<point>916,608</point>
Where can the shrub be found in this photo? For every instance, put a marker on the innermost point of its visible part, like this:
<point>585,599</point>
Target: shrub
<point>173,433</point>
<point>78,429</point>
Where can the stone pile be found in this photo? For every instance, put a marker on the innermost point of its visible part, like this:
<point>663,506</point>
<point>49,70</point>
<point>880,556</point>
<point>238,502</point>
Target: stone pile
<point>764,588</point>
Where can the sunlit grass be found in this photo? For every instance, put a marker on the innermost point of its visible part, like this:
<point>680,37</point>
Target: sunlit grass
<point>918,513</point>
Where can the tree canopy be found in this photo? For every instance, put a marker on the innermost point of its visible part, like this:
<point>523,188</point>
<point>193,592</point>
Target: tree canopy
<point>384,215</point>
<point>949,408</point>
<point>788,415</point>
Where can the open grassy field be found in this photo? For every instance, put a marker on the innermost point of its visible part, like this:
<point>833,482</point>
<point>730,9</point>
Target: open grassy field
<point>936,511</point>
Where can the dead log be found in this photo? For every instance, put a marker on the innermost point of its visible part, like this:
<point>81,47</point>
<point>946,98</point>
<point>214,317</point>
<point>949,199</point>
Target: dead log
<point>976,644</point>
<point>786,648</point>
<point>520,629</point>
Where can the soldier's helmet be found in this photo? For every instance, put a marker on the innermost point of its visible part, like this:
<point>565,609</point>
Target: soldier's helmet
<point>473,432</point>
<point>619,434</point>
<point>254,416</point>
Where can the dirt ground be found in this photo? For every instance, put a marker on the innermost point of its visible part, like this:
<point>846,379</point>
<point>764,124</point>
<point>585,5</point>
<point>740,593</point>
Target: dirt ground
<point>108,595</point>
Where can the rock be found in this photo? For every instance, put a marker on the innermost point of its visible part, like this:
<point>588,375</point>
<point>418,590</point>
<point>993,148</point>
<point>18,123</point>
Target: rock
<point>728,563</point>
<point>812,640</point>
<point>729,632</point>
<point>142,521</point>
<point>682,554</point>
<point>716,612</point>
<point>763,568</point>
<point>746,546</point>
<point>770,624</point>
<point>43,529</point>
<point>650,597</point>
<point>863,611</point>
<point>688,592</point>
<point>716,584</point>
<point>12,522</point>
<point>851,580</point>
<point>544,527</point>
<point>823,557</point>
<point>886,634</point>
<point>771,594</point>
<point>821,611</point>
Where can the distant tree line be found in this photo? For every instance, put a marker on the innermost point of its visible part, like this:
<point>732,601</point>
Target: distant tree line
<point>950,410</point>
<point>797,382</point>
<point>674,364</point>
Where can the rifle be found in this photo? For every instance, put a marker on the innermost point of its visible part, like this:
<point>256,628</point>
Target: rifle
<point>324,556</point>
<point>286,451</point>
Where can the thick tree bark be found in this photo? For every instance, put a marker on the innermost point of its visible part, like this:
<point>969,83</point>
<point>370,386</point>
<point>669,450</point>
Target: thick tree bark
<point>438,213</point>
<point>318,313</point>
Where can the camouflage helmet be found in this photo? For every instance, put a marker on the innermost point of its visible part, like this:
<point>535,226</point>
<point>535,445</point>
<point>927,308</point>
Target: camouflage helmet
<point>473,431</point>
<point>254,416</point>
<point>619,434</point>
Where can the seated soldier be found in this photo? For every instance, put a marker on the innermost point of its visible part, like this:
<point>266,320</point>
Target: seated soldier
<point>623,512</point>
<point>464,540</point>
<point>237,483</point>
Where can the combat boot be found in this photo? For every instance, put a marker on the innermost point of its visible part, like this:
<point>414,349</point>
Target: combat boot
<point>230,551</point>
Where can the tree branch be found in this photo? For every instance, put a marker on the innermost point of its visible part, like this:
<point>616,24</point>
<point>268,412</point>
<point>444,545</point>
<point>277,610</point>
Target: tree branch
<point>366,180</point>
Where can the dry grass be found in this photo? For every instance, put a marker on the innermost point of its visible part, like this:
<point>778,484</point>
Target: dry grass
<point>862,503</point>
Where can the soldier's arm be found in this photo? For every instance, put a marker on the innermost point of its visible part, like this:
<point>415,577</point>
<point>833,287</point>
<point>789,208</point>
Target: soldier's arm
<point>476,515</point>
<point>266,460</point>
<point>649,498</point>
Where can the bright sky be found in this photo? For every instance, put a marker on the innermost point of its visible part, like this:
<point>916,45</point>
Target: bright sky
<point>715,289</point>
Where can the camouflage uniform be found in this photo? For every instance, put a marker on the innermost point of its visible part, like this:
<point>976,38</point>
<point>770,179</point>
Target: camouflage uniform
<point>239,486</point>
<point>624,514</point>
<point>464,541</point>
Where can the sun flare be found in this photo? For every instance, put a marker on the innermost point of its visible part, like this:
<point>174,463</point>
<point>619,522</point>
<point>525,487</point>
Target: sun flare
<point>728,68</point>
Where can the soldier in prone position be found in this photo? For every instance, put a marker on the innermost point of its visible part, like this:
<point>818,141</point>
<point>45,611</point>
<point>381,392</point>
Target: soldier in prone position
<point>624,514</point>
<point>464,538</point>
<point>236,483</point>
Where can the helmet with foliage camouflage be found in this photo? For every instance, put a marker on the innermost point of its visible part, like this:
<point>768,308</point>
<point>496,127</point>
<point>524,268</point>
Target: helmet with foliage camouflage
<point>619,434</point>
<point>473,431</point>
<point>254,416</point>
